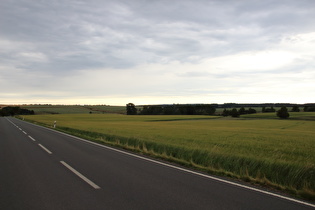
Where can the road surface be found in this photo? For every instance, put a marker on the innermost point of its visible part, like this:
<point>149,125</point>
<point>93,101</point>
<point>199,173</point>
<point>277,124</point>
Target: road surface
<point>44,169</point>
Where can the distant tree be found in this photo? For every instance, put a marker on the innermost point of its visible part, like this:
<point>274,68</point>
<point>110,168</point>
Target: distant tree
<point>131,109</point>
<point>283,113</point>
<point>209,109</point>
<point>168,110</point>
<point>242,111</point>
<point>235,113</point>
<point>309,109</point>
<point>226,113</point>
<point>295,109</point>
<point>15,110</point>
<point>265,109</point>
<point>251,111</point>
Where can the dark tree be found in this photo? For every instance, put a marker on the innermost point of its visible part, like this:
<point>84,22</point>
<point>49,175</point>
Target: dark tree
<point>15,110</point>
<point>283,113</point>
<point>265,109</point>
<point>235,113</point>
<point>131,109</point>
<point>242,111</point>
<point>226,113</point>
<point>251,111</point>
<point>309,109</point>
<point>295,109</point>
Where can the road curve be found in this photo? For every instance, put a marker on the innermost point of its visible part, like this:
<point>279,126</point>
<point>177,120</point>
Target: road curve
<point>44,169</point>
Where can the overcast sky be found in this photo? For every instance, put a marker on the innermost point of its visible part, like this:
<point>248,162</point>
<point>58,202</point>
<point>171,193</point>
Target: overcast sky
<point>157,51</point>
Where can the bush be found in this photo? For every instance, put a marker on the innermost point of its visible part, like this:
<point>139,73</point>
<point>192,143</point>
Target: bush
<point>235,113</point>
<point>295,109</point>
<point>283,113</point>
<point>15,110</point>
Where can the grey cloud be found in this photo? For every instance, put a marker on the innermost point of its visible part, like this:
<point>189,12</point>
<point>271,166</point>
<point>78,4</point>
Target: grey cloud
<point>44,41</point>
<point>184,28</point>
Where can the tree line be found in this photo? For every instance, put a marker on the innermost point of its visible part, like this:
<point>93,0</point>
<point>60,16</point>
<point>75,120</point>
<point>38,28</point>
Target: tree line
<point>175,109</point>
<point>236,113</point>
<point>208,109</point>
<point>281,113</point>
<point>15,110</point>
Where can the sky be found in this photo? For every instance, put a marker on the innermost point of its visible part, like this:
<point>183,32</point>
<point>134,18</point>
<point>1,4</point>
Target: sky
<point>157,52</point>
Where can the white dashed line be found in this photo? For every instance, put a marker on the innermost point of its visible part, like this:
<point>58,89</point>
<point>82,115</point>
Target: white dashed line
<point>80,175</point>
<point>44,148</point>
<point>31,138</point>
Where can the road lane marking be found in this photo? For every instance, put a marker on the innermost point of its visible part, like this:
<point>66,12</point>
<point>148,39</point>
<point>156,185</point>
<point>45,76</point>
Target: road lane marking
<point>31,138</point>
<point>80,175</point>
<point>24,132</point>
<point>44,148</point>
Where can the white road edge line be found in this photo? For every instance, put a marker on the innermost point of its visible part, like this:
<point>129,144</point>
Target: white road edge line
<point>44,148</point>
<point>183,169</point>
<point>80,175</point>
<point>24,132</point>
<point>31,138</point>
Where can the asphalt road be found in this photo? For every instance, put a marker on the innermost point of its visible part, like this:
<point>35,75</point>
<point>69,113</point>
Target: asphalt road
<point>44,169</point>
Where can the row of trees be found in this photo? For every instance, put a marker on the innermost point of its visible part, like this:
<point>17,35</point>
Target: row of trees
<point>207,109</point>
<point>236,113</point>
<point>309,109</point>
<point>293,109</point>
<point>15,110</point>
<point>175,109</point>
<point>282,113</point>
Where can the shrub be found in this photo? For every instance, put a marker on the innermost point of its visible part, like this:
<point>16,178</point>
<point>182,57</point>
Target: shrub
<point>283,113</point>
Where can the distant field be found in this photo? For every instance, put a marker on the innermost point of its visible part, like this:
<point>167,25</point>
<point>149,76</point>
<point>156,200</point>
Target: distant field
<point>293,116</point>
<point>102,109</point>
<point>256,148</point>
<point>75,109</point>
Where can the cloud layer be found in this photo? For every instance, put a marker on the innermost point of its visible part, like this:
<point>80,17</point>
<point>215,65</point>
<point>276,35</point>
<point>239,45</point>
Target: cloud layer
<point>115,52</point>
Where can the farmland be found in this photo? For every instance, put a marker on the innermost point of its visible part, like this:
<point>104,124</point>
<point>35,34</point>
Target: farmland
<point>258,148</point>
<point>75,109</point>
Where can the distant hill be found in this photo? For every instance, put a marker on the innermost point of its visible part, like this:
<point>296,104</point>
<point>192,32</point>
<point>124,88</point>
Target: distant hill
<point>75,109</point>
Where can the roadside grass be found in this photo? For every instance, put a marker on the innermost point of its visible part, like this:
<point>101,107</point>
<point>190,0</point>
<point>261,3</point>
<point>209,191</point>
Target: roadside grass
<point>257,148</point>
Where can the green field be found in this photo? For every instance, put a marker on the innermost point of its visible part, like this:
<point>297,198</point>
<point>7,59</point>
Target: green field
<point>259,148</point>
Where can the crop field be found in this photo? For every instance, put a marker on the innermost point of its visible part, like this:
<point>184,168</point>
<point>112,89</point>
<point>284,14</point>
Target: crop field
<point>259,148</point>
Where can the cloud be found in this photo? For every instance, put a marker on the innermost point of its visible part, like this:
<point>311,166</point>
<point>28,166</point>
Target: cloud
<point>56,50</point>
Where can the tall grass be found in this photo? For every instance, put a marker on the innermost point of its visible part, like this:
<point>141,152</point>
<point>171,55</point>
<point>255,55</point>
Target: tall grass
<point>277,153</point>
